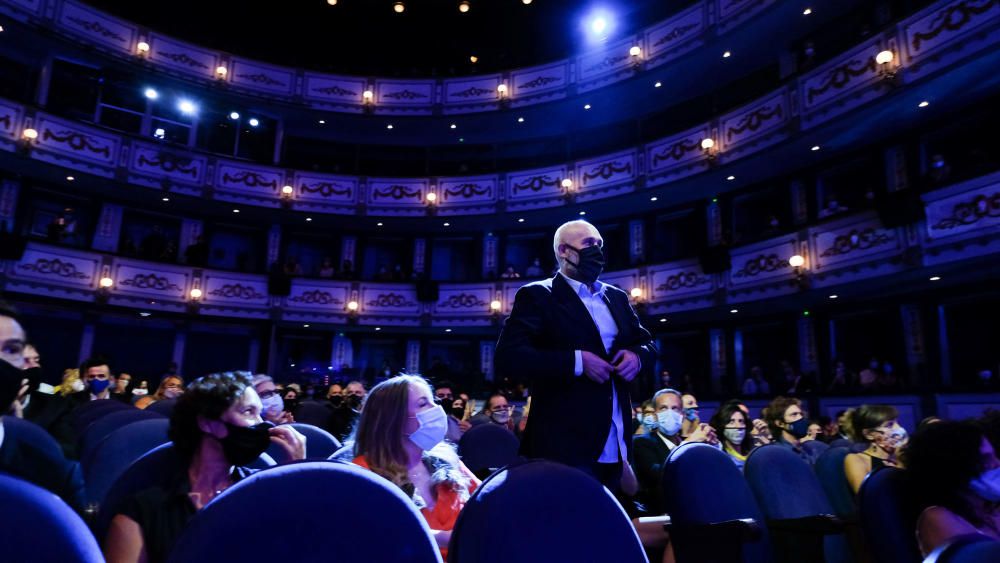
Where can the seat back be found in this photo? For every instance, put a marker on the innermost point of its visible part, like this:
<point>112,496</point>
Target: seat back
<point>104,426</point>
<point>33,434</point>
<point>164,407</point>
<point>36,526</point>
<point>85,414</point>
<point>315,413</point>
<point>814,448</point>
<point>784,485</point>
<point>345,453</point>
<point>488,447</point>
<point>830,471</point>
<point>541,511</point>
<point>320,444</point>
<point>117,452</point>
<point>971,548</point>
<point>380,522</point>
<point>888,518</point>
<point>701,485</point>
<point>841,443</point>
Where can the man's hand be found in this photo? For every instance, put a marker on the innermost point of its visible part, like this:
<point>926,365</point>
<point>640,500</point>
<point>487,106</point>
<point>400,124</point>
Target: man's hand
<point>595,367</point>
<point>626,364</point>
<point>292,442</point>
<point>704,433</point>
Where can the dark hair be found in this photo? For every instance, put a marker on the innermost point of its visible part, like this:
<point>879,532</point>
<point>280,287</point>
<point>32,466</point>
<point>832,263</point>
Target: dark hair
<point>774,413</point>
<point>8,310</point>
<point>93,362</point>
<point>721,419</point>
<point>208,396</point>
<point>490,399</point>
<point>867,417</point>
<point>940,461</point>
<point>446,385</point>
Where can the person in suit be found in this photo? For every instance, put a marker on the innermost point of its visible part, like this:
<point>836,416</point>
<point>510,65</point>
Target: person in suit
<point>579,343</point>
<point>651,450</point>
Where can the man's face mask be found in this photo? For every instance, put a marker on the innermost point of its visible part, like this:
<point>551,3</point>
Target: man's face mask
<point>589,265</point>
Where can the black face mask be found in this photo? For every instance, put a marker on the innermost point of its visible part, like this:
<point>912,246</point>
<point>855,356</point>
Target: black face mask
<point>590,265</point>
<point>243,444</point>
<point>34,376</point>
<point>10,384</point>
<point>353,402</point>
<point>336,400</point>
<point>458,412</point>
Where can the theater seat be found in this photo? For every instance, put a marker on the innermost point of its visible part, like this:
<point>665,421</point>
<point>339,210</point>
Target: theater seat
<point>344,454</point>
<point>104,426</point>
<point>164,407</point>
<point>830,471</point>
<point>320,444</point>
<point>314,413</point>
<point>85,415</point>
<point>373,519</point>
<point>155,468</point>
<point>541,511</point>
<point>36,526</point>
<point>715,517</point>
<point>971,548</point>
<point>888,518</point>
<point>117,452</point>
<point>814,447</point>
<point>799,516</point>
<point>488,447</point>
<point>841,443</point>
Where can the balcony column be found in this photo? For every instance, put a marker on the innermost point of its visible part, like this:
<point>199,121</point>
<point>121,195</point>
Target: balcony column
<point>273,245</point>
<point>718,349</point>
<point>191,229</point>
<point>348,248</point>
<point>412,356</point>
<point>9,190</point>
<point>486,349</point>
<point>419,255</point>
<point>342,352</point>
<point>895,169</point>
<point>800,203</point>
<point>109,228</point>
<point>915,342</point>
<point>808,356</point>
<point>491,256</point>
<point>942,329</point>
<point>180,343</point>
<point>713,221</point>
<point>637,241</point>
<point>44,80</point>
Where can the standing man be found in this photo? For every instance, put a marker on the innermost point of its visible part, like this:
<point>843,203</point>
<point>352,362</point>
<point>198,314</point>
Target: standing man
<point>580,343</point>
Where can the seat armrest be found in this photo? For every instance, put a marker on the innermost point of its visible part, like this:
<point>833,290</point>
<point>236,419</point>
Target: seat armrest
<point>741,530</point>
<point>817,524</point>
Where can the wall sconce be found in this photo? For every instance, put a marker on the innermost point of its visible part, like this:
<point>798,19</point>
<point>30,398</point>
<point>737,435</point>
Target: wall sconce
<point>142,49</point>
<point>28,138</point>
<point>106,283</point>
<point>635,55</point>
<point>221,72</point>
<point>884,60</point>
<point>797,262</point>
<point>352,309</point>
<point>569,192</point>
<point>287,193</point>
<point>496,306</point>
<point>503,95</point>
<point>368,100</point>
<point>195,294</point>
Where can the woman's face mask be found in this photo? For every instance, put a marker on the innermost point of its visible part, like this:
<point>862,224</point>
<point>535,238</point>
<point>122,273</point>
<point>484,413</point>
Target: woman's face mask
<point>890,438</point>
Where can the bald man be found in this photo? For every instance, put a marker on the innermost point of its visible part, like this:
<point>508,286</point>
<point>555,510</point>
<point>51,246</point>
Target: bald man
<point>579,343</point>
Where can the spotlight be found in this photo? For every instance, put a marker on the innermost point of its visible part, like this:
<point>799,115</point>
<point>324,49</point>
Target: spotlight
<point>935,278</point>
<point>398,7</point>
<point>236,210</point>
<point>305,325</point>
<point>654,198</point>
<point>520,219</point>
<point>473,59</point>
<point>923,104</point>
<point>159,133</point>
<point>730,178</point>
<point>379,224</point>
<point>447,330</point>
<point>807,11</point>
<point>520,120</point>
<point>70,178</point>
<point>663,320</point>
<point>166,199</point>
<point>453,126</point>
<point>309,219</point>
<point>186,107</point>
<point>583,213</point>
<point>463,7</point>
<point>367,96</point>
<point>322,122</point>
<point>814,148</point>
<point>658,84</point>
<point>253,122</point>
<point>234,115</point>
<point>734,311</point>
<point>834,296</point>
<point>726,55</point>
<point>599,25</point>
<point>586,106</point>
<point>447,224</point>
<point>378,328</point>
<point>389,126</point>
<point>151,94</point>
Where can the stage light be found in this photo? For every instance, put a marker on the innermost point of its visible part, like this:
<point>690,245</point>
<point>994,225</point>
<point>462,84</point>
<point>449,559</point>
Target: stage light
<point>884,57</point>
<point>814,148</point>
<point>463,7</point>
<point>399,7</point>
<point>730,178</point>
<point>187,107</point>
<point>526,2</point>
<point>727,54</point>
<point>923,104</point>
<point>159,133</point>
<point>378,328</point>
<point>598,25</point>
<point>144,314</point>
<point>253,122</point>
<point>305,325</point>
<point>151,94</point>
<point>234,115</point>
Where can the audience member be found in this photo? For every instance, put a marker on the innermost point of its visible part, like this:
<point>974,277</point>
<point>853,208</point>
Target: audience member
<point>454,408</point>
<point>646,420</point>
<point>692,420</point>
<point>878,427</point>
<point>731,426</point>
<point>400,437</point>
<point>272,405</point>
<point>171,387</point>
<point>122,390</point>
<point>651,450</point>
<point>498,411</point>
<point>842,380</point>
<point>535,269</point>
<point>868,377</point>
<point>510,273</point>
<point>814,431</point>
<point>97,376</point>
<point>345,415</point>
<point>789,425</point>
<point>755,384</point>
<point>831,430</point>
<point>955,475</point>
<point>142,389</point>
<point>216,430</point>
<point>335,395</point>
<point>833,207</point>
<point>32,359</point>
<point>326,269</point>
<point>760,433</point>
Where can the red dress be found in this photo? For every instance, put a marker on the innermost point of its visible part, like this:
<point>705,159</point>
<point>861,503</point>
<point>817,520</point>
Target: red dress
<point>449,502</point>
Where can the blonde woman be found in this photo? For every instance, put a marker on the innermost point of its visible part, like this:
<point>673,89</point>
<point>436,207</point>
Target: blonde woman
<point>400,436</point>
<point>71,383</point>
<point>171,387</point>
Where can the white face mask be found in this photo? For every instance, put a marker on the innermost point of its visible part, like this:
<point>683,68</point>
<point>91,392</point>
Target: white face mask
<point>273,406</point>
<point>735,435</point>
<point>433,426</point>
<point>987,485</point>
<point>77,385</point>
<point>670,422</point>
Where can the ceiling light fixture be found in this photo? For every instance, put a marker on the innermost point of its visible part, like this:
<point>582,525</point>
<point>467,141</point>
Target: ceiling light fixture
<point>398,7</point>
<point>814,148</point>
<point>807,11</point>
<point>923,104</point>
<point>473,59</point>
<point>586,106</point>
<point>234,115</point>
<point>151,94</point>
<point>253,122</point>
<point>520,120</point>
<point>727,54</point>
<point>730,178</point>
<point>186,107</point>
<point>463,7</point>
<point>658,84</point>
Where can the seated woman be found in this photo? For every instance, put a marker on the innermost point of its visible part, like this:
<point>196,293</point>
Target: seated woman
<point>956,475</point>
<point>647,419</point>
<point>171,387</point>
<point>788,425</point>
<point>400,436</point>
<point>878,426</point>
<point>731,426</point>
<point>216,430</point>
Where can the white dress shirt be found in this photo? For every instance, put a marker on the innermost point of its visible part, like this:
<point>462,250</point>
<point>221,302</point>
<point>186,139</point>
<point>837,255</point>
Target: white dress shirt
<point>614,447</point>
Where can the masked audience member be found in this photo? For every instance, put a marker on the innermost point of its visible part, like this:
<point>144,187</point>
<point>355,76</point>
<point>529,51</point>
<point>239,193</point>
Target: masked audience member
<point>216,431</point>
<point>692,418</point>
<point>646,419</point>
<point>400,437</point>
<point>273,406</point>
<point>878,427</point>
<point>171,387</point>
<point>346,415</point>
<point>789,425</point>
<point>731,425</point>
<point>955,476</point>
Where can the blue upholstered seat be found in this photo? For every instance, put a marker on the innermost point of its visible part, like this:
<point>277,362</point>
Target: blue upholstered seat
<point>972,548</point>
<point>488,447</point>
<point>541,511</point>
<point>888,518</point>
<point>117,452</point>
<point>320,444</point>
<point>104,426</point>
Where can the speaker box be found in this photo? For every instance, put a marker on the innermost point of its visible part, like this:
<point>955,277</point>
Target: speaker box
<point>428,291</point>
<point>896,209</point>
<point>714,259</point>
<point>12,246</point>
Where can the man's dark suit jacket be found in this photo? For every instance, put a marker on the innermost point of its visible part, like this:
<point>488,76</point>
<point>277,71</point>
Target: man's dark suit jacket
<point>649,452</point>
<point>570,415</point>
<point>40,464</point>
